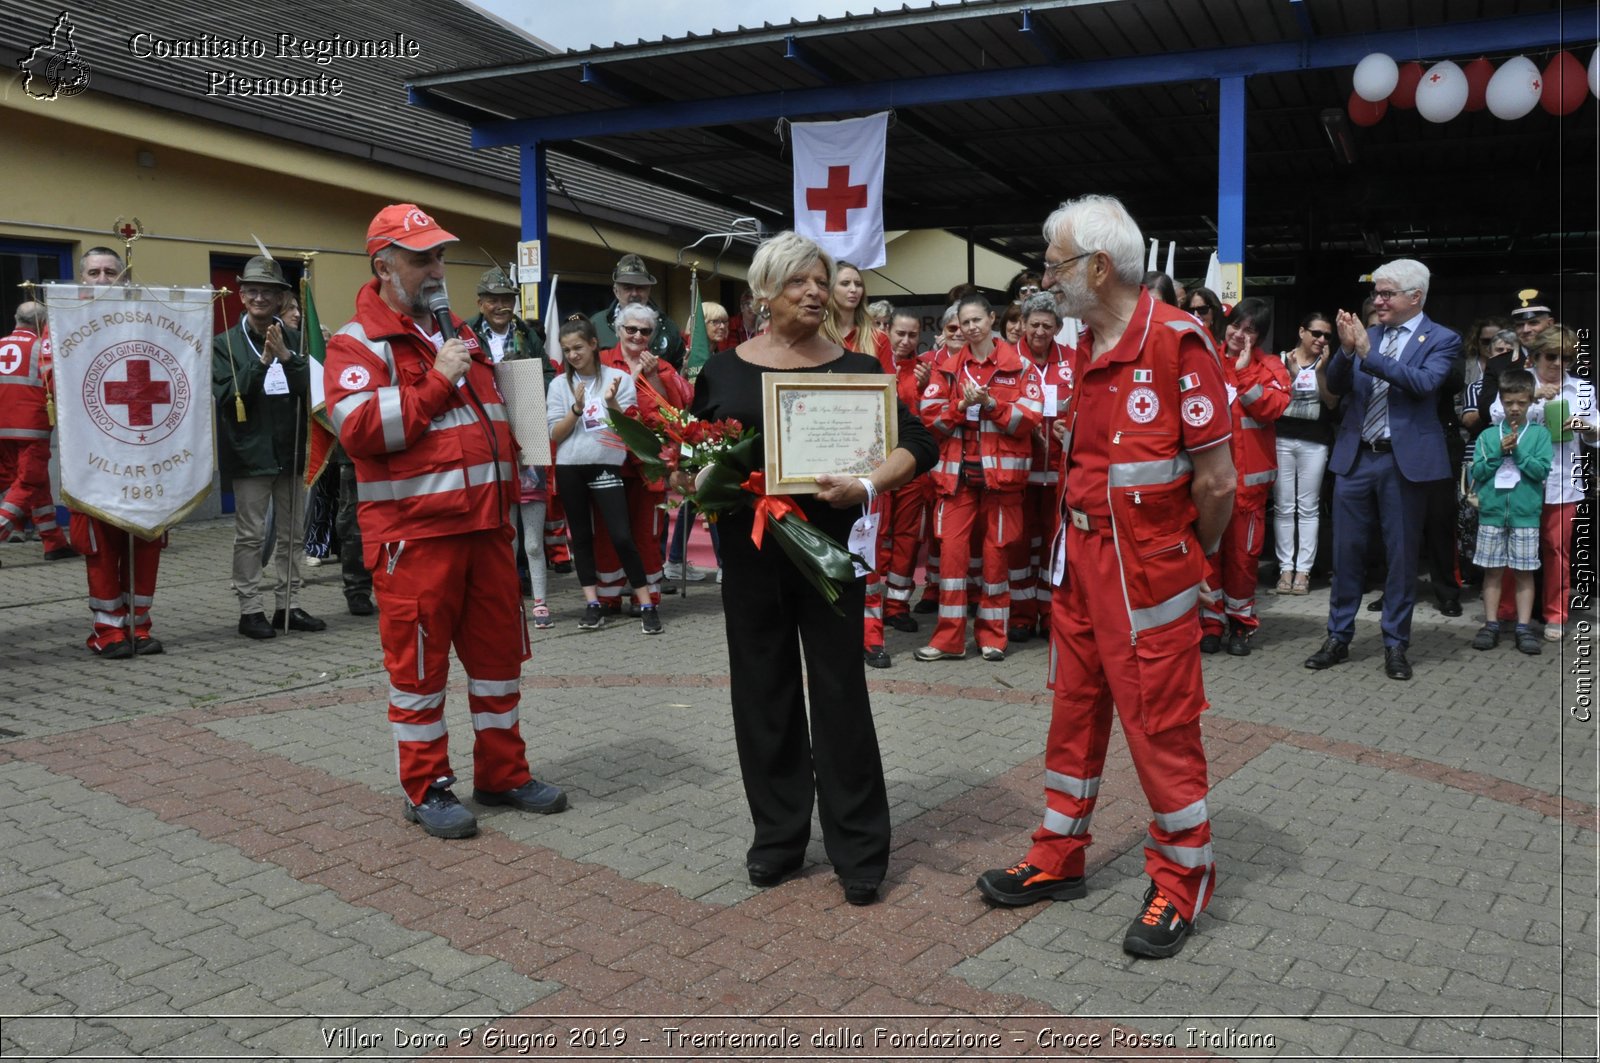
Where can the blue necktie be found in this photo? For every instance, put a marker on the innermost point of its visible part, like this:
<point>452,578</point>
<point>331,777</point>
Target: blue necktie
<point>1375,425</point>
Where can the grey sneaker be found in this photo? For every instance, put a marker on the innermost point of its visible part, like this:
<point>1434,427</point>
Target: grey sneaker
<point>441,815</point>
<point>531,796</point>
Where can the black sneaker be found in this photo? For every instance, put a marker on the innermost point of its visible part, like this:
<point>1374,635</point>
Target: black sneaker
<point>1528,642</point>
<point>1159,931</point>
<point>650,621</point>
<point>116,651</point>
<point>1210,643</point>
<point>902,621</point>
<point>594,617</point>
<point>926,605</point>
<point>1487,638</point>
<point>1026,884</point>
<point>1239,643</point>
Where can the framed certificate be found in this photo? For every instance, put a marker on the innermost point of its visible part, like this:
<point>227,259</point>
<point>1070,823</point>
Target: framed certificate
<point>816,423</point>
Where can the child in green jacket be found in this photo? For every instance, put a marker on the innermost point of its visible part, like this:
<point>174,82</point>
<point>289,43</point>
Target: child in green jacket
<point>1509,466</point>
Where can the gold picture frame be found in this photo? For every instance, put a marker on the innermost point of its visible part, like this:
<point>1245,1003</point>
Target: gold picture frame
<point>819,423</point>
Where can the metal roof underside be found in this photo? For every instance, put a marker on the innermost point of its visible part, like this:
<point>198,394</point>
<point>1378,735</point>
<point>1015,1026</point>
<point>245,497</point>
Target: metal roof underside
<point>1002,144</point>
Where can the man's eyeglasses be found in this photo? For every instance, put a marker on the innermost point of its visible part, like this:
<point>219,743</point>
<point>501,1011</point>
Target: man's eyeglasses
<point>1386,294</point>
<point>253,294</point>
<point>1319,334</point>
<point>1057,267</point>
<point>637,330</point>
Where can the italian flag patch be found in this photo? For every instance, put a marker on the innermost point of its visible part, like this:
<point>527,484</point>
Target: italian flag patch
<point>1189,382</point>
<point>1144,376</point>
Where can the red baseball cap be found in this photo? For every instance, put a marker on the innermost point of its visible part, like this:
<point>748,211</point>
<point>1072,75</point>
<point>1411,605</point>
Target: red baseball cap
<point>405,224</point>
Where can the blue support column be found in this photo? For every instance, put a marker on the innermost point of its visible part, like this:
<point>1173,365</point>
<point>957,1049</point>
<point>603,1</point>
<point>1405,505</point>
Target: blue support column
<point>535,225</point>
<point>1230,186</point>
<point>535,179</point>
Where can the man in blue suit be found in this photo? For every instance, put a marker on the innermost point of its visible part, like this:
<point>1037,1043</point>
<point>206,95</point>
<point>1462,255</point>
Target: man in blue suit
<point>1389,446</point>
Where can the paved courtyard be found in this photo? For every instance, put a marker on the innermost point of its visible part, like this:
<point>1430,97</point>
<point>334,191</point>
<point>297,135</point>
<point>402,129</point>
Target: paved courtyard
<point>202,855</point>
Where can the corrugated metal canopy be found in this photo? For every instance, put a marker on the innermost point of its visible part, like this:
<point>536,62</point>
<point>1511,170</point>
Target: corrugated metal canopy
<point>1142,124</point>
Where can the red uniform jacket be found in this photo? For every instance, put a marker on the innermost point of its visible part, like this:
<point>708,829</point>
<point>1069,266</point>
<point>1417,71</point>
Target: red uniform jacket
<point>1056,376</point>
<point>674,389</point>
<point>1005,433</point>
<point>1262,395</point>
<point>22,387</point>
<point>1159,395</point>
<point>431,458</point>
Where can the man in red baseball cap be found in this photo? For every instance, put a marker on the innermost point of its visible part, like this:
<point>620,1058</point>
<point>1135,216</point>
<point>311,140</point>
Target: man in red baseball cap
<point>436,479</point>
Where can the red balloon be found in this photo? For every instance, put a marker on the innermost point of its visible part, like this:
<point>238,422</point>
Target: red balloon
<point>1365,112</point>
<point>1478,72</point>
<point>1405,93</point>
<point>1566,83</point>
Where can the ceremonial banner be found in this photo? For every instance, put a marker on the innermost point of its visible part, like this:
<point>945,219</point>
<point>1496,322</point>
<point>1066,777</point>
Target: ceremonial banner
<point>838,186</point>
<point>320,437</point>
<point>133,401</point>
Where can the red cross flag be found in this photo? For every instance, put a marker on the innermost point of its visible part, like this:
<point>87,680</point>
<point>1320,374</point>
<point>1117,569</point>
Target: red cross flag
<point>838,186</point>
<point>133,401</point>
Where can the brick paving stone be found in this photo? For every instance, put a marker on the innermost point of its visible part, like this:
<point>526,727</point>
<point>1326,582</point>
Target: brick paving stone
<point>1341,819</point>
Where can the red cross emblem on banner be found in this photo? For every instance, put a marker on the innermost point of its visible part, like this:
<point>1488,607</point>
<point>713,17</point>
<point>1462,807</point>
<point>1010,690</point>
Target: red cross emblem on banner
<point>138,393</point>
<point>837,199</point>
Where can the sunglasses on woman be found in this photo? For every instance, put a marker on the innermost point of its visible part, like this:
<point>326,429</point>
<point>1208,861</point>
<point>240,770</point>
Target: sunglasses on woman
<point>1320,334</point>
<point>637,330</point>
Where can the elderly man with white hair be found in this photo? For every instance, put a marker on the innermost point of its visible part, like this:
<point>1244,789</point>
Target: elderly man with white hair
<point>1149,483</point>
<point>1390,445</point>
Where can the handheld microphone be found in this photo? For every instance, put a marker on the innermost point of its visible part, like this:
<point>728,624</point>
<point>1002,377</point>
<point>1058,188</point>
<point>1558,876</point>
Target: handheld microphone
<point>439,306</point>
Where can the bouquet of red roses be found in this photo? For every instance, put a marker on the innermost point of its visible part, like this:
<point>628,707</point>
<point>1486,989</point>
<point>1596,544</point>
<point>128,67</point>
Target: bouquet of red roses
<point>725,456</point>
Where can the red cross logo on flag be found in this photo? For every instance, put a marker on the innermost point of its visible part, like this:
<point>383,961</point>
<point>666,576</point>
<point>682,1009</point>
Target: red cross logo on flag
<point>838,187</point>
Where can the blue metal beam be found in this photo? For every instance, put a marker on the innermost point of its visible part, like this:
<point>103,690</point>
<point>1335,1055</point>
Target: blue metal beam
<point>1462,38</point>
<point>1040,37</point>
<point>796,52</point>
<point>1303,16</point>
<point>1230,169</point>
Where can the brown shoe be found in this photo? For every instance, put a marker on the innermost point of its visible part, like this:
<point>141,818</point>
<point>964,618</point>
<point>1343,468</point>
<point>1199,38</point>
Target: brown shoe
<point>1285,582</point>
<point>1302,583</point>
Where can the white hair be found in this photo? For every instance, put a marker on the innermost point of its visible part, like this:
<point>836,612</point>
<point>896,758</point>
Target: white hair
<point>1100,223</point>
<point>1040,303</point>
<point>783,256</point>
<point>1406,273</point>
<point>635,310</point>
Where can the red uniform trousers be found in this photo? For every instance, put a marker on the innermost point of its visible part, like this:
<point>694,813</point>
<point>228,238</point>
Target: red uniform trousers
<point>1095,668</point>
<point>556,549</point>
<point>461,591</point>
<point>1038,513</point>
<point>1233,567</point>
<point>645,518</point>
<point>878,578</point>
<point>1555,558</point>
<point>29,494</point>
<point>997,516</point>
<point>908,531</point>
<point>111,591</point>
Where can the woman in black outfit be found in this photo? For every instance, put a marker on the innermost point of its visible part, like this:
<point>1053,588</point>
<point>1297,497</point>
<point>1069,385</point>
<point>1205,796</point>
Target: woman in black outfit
<point>774,615</point>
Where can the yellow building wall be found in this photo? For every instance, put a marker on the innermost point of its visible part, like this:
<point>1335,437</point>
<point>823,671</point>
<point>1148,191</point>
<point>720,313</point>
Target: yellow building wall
<point>199,188</point>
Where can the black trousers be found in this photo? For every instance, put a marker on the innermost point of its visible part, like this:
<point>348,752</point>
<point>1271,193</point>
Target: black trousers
<point>774,617</point>
<point>590,489</point>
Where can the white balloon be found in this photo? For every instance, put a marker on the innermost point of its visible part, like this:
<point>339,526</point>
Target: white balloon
<point>1514,89</point>
<point>1594,73</point>
<point>1442,92</point>
<point>1376,76</point>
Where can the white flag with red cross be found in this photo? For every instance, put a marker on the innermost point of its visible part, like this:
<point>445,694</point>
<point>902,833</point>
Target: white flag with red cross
<point>838,186</point>
<point>133,401</point>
